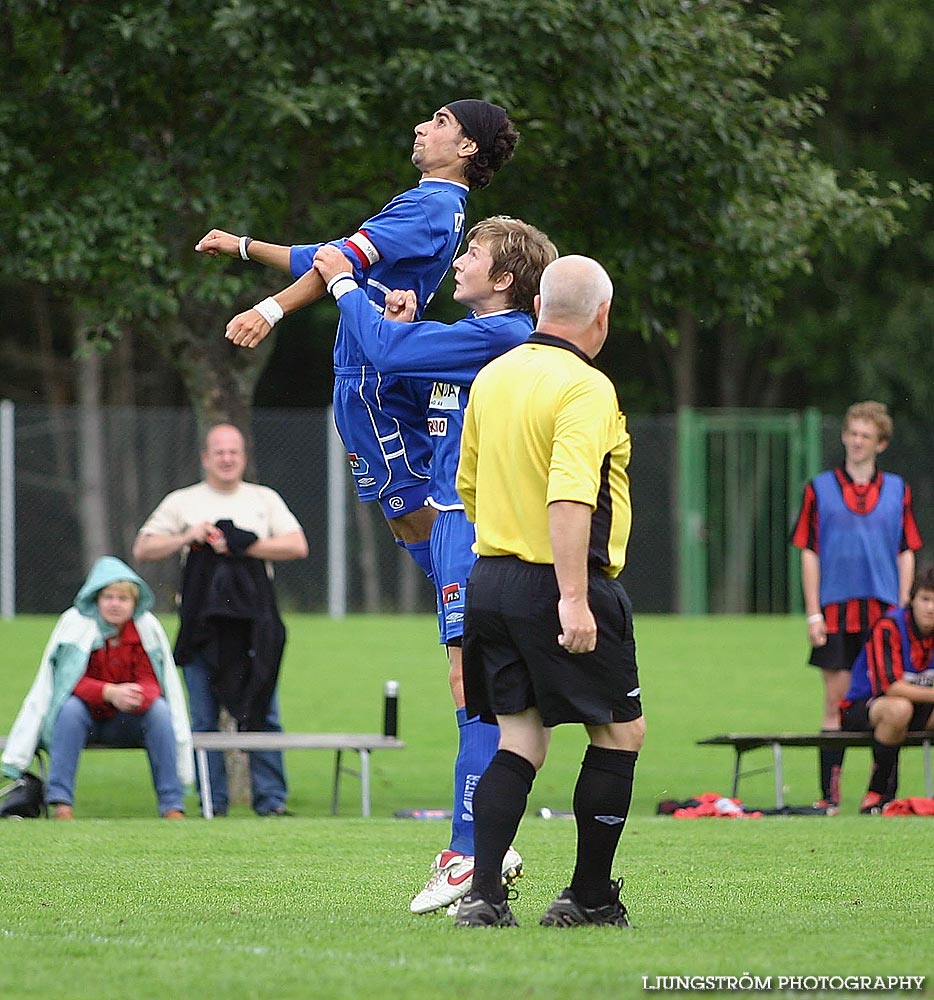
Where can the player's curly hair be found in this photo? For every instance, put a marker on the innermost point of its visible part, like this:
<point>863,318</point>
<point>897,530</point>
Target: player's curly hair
<point>874,412</point>
<point>482,165</point>
<point>517,249</point>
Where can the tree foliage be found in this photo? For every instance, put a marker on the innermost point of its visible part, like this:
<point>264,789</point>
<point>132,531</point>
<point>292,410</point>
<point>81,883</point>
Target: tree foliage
<point>651,140</point>
<point>860,327</point>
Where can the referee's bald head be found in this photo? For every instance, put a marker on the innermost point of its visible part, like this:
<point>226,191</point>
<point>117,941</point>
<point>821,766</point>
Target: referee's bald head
<point>572,290</point>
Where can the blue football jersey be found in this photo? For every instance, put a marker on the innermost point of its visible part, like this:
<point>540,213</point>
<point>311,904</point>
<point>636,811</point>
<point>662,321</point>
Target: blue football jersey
<point>410,244</point>
<point>446,355</point>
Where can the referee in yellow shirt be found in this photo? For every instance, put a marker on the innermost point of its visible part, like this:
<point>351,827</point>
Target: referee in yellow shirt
<point>548,631</point>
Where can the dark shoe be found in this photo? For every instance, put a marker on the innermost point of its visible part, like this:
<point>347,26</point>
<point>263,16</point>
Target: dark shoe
<point>566,911</point>
<point>824,807</point>
<point>476,912</point>
<point>278,811</point>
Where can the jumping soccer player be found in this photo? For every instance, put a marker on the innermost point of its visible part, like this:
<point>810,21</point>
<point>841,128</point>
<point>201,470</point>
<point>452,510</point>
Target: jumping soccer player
<point>496,278</point>
<point>409,244</point>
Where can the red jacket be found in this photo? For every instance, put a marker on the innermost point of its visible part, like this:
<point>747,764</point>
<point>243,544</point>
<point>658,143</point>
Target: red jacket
<point>121,660</point>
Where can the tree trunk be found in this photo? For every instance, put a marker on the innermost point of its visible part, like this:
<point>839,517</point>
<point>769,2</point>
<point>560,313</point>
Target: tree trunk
<point>220,378</point>
<point>54,390</point>
<point>683,360</point>
<point>93,507</point>
<point>366,554</point>
<point>124,395</point>
<point>732,376</point>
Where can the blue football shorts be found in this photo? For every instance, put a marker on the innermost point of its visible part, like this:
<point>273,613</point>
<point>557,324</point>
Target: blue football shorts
<point>452,558</point>
<point>382,421</point>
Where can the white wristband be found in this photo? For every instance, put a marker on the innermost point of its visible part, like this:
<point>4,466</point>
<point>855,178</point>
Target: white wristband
<point>335,287</point>
<point>244,244</point>
<point>270,310</point>
<point>814,619</point>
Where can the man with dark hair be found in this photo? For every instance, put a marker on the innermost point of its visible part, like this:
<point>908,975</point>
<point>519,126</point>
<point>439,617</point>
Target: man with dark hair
<point>548,637</point>
<point>892,687</point>
<point>858,536</point>
<point>496,278</point>
<point>408,245</point>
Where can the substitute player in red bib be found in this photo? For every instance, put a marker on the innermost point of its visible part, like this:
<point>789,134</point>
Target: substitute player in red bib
<point>857,534</point>
<point>892,687</point>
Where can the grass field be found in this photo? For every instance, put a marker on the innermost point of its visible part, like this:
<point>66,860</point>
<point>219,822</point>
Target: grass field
<point>120,904</point>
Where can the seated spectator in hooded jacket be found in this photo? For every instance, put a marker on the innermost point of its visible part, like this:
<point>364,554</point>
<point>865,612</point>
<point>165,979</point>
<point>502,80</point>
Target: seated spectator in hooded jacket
<point>107,676</point>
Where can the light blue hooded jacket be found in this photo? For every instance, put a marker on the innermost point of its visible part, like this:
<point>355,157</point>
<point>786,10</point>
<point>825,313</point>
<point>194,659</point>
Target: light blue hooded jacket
<point>78,632</point>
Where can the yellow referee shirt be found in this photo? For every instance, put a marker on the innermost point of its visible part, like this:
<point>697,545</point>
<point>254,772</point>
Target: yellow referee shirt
<point>542,424</point>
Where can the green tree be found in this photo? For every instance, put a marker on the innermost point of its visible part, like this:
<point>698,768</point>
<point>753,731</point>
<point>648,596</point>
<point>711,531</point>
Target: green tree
<point>650,141</point>
<point>861,326</point>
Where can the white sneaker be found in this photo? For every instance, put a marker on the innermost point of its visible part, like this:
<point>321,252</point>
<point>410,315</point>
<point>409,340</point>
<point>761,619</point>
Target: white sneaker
<point>452,878</point>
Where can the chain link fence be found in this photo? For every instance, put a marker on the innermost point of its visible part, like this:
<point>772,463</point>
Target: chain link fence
<point>83,482</point>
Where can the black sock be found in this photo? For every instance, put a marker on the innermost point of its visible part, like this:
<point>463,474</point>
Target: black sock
<point>601,804</point>
<point>884,777</point>
<point>499,801</point>
<point>831,764</point>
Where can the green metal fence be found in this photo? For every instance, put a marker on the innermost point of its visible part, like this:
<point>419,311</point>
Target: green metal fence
<point>740,477</point>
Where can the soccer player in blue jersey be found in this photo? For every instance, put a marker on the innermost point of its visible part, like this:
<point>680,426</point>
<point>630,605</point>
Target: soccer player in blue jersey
<point>858,536</point>
<point>409,244</point>
<point>496,278</point>
<point>892,687</point>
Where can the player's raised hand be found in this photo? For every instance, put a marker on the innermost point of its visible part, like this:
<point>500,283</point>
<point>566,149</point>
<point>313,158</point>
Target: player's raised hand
<point>247,329</point>
<point>217,242</point>
<point>329,261</point>
<point>401,304</point>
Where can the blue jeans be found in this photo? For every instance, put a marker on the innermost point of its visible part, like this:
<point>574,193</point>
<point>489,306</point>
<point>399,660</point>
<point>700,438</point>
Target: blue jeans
<point>267,769</point>
<point>75,728</point>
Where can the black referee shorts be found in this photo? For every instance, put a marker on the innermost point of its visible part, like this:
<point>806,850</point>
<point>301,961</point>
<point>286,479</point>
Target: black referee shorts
<point>512,659</point>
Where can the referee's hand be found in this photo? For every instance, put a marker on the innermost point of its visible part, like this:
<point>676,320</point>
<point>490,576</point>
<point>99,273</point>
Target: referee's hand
<point>578,627</point>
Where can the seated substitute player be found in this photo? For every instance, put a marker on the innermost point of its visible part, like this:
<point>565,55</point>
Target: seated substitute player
<point>857,535</point>
<point>892,687</point>
<point>548,635</point>
<point>409,244</point>
<point>496,278</point>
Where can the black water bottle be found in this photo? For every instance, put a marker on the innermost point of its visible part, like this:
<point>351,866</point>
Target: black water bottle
<point>391,708</point>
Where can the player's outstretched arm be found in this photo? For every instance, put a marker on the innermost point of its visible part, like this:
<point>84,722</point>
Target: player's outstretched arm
<point>400,304</point>
<point>217,242</point>
<point>250,328</point>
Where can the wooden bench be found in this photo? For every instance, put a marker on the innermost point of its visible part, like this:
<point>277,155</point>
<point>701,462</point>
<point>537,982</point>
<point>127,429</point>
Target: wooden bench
<point>744,742</point>
<point>362,743</point>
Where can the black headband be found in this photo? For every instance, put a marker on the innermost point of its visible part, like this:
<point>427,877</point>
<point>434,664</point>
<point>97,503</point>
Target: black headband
<point>480,120</point>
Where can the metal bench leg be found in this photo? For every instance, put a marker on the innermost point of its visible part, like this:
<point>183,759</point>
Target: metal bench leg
<point>335,794</point>
<point>204,784</point>
<point>779,778</point>
<point>364,782</point>
<point>736,764</point>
